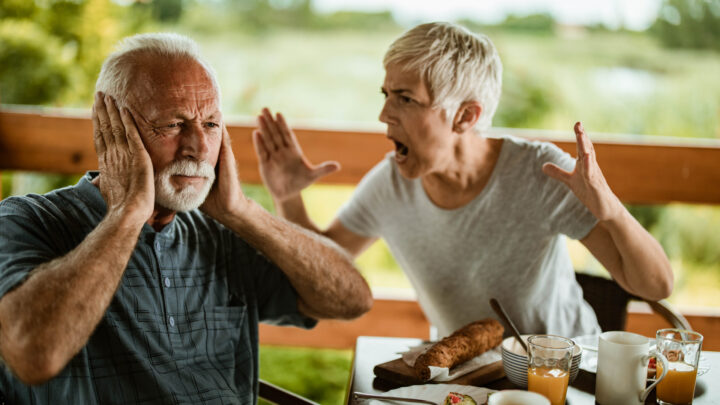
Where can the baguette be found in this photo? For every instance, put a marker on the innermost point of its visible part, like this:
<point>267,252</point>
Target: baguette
<point>464,344</point>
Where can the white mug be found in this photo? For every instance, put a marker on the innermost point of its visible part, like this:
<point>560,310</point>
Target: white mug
<point>517,397</point>
<point>622,368</point>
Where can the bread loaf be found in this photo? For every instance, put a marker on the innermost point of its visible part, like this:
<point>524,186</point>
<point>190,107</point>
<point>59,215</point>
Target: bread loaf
<point>465,343</point>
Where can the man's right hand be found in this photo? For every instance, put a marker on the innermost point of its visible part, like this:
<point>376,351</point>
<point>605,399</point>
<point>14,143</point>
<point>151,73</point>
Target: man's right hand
<point>126,172</point>
<point>283,167</point>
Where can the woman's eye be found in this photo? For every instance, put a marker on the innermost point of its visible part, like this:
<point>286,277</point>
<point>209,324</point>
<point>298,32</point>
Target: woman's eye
<point>212,124</point>
<point>405,99</point>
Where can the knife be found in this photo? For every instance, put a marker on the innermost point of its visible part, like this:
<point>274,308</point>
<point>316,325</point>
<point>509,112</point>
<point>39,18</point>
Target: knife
<point>362,395</point>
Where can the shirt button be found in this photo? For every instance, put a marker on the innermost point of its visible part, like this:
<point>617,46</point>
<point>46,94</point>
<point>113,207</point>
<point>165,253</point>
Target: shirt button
<point>172,321</point>
<point>167,282</point>
<point>157,245</point>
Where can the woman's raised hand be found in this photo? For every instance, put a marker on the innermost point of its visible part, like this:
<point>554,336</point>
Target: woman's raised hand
<point>283,167</point>
<point>587,181</point>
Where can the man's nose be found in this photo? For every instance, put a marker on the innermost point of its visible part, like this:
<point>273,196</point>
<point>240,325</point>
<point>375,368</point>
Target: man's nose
<point>194,142</point>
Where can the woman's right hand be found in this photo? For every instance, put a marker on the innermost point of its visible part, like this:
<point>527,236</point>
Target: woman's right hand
<point>283,167</point>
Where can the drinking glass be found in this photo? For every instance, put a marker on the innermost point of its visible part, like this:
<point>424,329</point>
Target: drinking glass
<point>682,350</point>
<point>549,359</point>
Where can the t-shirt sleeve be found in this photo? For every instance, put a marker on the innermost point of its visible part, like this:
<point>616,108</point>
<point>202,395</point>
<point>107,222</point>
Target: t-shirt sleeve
<point>24,243</point>
<point>360,214</point>
<point>565,213</point>
<point>274,295</point>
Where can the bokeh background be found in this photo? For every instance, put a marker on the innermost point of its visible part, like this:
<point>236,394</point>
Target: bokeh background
<point>641,70</point>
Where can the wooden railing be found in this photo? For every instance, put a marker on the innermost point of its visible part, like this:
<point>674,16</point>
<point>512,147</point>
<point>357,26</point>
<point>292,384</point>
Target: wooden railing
<point>645,171</point>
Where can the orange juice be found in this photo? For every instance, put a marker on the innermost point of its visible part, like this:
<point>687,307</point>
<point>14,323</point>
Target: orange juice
<point>550,382</point>
<point>678,386</point>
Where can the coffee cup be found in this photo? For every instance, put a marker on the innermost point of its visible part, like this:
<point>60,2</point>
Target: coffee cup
<point>517,397</point>
<point>622,368</point>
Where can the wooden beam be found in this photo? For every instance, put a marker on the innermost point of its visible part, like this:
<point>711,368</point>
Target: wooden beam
<point>637,172</point>
<point>401,318</point>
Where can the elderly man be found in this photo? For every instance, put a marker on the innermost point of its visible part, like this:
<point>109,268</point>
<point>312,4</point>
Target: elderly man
<point>119,290</point>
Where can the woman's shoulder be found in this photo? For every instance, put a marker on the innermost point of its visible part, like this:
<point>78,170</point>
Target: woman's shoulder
<point>528,150</point>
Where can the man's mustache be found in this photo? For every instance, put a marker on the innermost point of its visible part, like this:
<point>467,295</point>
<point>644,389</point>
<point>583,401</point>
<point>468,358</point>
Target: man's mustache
<point>188,167</point>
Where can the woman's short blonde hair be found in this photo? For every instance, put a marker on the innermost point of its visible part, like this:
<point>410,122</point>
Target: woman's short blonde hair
<point>456,65</point>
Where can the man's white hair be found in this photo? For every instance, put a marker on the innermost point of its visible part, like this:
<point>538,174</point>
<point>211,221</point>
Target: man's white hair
<point>456,65</point>
<point>118,71</point>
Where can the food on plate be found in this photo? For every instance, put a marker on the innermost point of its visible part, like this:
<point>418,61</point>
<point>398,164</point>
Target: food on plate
<point>455,398</point>
<point>464,344</point>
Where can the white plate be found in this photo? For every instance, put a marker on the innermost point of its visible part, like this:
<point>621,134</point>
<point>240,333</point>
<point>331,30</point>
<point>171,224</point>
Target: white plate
<point>435,393</point>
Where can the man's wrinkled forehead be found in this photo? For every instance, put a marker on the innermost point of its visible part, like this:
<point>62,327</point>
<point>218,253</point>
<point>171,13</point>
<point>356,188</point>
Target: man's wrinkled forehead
<point>173,77</point>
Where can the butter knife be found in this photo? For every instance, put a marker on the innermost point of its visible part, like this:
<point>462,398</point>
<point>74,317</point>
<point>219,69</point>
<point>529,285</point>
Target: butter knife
<point>362,395</point>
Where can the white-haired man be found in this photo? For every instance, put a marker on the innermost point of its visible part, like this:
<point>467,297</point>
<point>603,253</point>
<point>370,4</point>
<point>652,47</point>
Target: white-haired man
<point>118,290</point>
<point>470,217</point>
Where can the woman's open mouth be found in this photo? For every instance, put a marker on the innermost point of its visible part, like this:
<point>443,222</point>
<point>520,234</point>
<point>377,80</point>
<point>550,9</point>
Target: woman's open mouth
<point>401,151</point>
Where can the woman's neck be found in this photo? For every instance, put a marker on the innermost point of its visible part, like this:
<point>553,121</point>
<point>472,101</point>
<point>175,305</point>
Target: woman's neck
<point>466,173</point>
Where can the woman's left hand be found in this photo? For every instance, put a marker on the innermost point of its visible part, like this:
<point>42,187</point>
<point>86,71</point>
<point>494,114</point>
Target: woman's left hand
<point>587,181</point>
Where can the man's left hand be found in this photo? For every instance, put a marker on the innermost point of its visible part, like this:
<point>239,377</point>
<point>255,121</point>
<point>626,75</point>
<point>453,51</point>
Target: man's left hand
<point>587,181</point>
<point>226,197</point>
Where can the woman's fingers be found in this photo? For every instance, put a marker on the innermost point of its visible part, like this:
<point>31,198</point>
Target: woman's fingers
<point>286,134</point>
<point>260,149</point>
<point>557,173</point>
<point>270,127</point>
<point>584,146</point>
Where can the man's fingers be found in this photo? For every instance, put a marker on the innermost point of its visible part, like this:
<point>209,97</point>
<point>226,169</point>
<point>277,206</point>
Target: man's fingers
<point>267,133</point>
<point>325,168</point>
<point>260,150</point>
<point>116,124</point>
<point>97,134</point>
<point>133,136</point>
<point>103,120</point>
<point>554,171</point>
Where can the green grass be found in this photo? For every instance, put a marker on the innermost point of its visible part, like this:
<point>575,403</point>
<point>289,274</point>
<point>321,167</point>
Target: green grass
<point>318,374</point>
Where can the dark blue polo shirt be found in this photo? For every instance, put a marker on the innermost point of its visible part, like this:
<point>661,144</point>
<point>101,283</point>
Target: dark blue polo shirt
<point>183,325</point>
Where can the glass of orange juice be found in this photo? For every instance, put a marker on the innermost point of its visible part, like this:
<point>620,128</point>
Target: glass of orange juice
<point>682,349</point>
<point>549,359</point>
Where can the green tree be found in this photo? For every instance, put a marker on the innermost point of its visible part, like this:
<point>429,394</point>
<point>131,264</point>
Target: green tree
<point>689,24</point>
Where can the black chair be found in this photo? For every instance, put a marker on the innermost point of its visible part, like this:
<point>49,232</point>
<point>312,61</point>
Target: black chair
<point>276,395</point>
<point>610,302</point>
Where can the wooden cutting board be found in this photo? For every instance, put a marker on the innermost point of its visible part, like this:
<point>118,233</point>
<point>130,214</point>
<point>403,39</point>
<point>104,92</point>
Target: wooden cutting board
<point>398,373</point>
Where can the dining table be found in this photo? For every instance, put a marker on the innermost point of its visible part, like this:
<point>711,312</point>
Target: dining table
<point>372,350</point>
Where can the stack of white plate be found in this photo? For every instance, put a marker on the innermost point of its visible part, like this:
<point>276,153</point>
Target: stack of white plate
<point>515,361</point>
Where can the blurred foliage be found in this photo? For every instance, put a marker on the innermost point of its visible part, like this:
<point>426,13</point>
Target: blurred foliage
<point>51,51</point>
<point>33,69</point>
<point>689,24</point>
<point>542,23</point>
<point>525,100</point>
<point>647,215</point>
<point>262,16</point>
<point>690,234</point>
<point>317,374</point>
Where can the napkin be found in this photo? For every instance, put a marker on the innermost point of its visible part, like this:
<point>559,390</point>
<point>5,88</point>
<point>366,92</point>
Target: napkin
<point>446,374</point>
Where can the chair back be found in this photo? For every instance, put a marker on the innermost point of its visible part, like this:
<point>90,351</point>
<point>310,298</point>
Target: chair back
<point>609,301</point>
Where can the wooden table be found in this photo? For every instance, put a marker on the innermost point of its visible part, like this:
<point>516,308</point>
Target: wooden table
<point>370,351</point>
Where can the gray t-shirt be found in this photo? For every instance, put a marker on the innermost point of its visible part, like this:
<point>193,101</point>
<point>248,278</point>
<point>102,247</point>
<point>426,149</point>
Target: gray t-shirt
<point>507,243</point>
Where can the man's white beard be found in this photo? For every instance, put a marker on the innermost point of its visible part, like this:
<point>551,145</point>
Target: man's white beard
<point>187,198</point>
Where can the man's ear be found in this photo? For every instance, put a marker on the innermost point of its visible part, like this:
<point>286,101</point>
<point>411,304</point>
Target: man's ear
<point>466,116</point>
